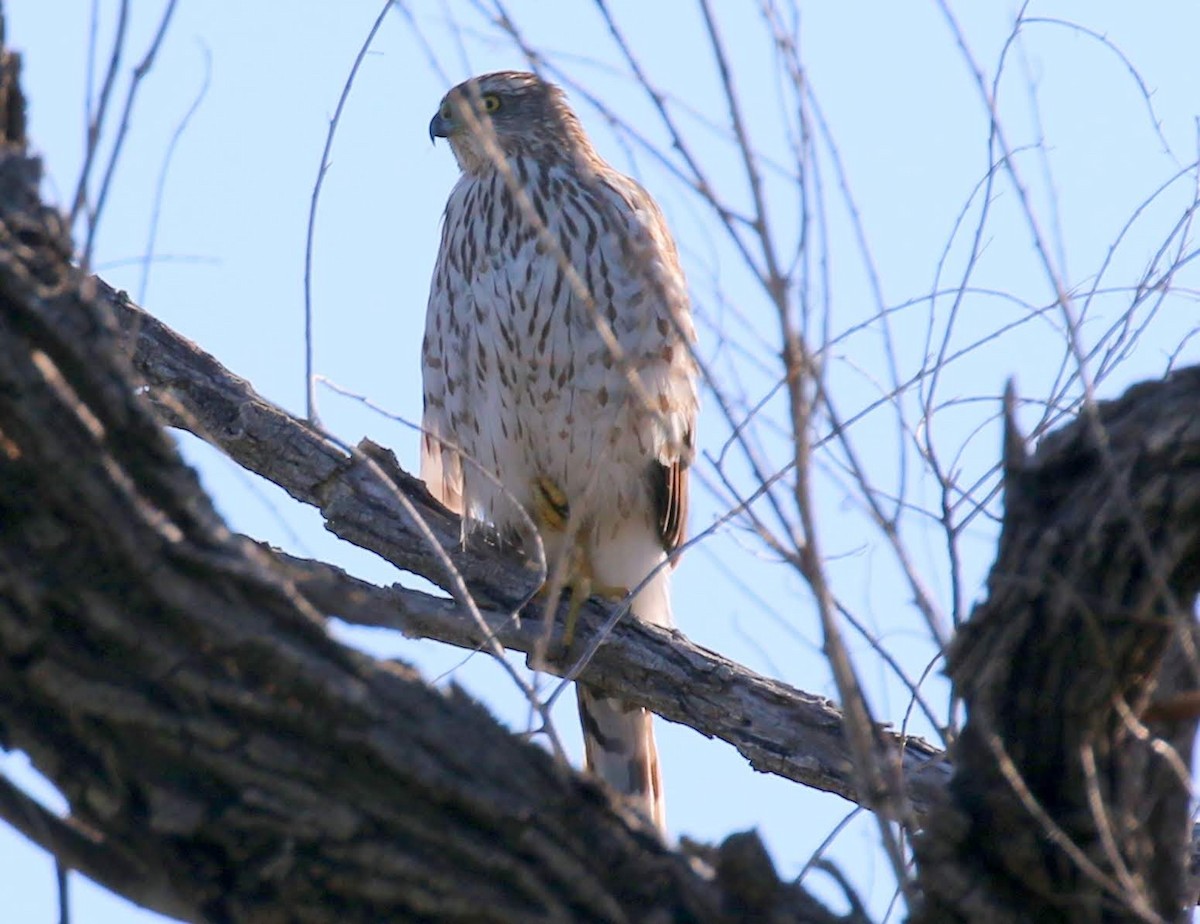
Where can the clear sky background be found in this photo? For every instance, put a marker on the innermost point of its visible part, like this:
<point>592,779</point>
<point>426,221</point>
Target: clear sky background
<point>911,134</point>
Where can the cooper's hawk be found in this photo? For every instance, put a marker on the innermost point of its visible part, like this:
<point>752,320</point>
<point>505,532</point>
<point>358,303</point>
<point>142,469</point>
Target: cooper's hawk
<point>559,377</point>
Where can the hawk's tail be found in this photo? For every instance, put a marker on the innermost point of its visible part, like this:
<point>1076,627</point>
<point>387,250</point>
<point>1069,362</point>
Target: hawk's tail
<point>618,740</point>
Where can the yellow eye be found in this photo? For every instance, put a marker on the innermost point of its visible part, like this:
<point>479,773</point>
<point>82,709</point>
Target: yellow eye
<point>491,102</point>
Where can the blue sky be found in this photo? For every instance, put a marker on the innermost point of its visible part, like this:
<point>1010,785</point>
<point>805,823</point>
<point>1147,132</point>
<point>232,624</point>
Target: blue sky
<point>911,141</point>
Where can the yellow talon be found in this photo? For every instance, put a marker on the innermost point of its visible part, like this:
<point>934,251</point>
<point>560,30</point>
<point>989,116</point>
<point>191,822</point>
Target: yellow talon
<point>581,591</point>
<point>550,507</point>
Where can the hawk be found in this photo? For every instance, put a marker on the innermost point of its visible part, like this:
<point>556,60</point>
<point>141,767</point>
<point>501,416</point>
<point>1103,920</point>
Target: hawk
<point>559,377</point>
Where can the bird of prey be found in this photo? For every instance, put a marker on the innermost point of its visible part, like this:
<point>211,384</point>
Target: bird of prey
<point>559,376</point>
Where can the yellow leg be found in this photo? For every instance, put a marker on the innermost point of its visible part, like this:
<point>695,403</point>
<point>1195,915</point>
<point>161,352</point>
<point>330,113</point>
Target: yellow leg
<point>552,513</point>
<point>581,583</point>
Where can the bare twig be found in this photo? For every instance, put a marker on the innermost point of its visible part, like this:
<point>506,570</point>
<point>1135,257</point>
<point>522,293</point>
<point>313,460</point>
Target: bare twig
<point>310,383</point>
<point>139,74</point>
<point>160,187</point>
<point>94,117</point>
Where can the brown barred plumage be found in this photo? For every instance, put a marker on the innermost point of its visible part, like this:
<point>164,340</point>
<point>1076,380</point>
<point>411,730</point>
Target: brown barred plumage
<point>557,360</point>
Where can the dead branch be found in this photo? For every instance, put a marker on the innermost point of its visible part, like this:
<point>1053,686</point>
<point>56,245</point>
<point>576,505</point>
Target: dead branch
<point>777,728</point>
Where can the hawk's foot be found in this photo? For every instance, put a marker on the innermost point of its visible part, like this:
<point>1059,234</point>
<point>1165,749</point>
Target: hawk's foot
<point>579,587</point>
<point>582,584</point>
<point>552,512</point>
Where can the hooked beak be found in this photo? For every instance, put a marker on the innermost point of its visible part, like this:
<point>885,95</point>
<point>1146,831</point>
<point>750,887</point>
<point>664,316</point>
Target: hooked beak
<point>440,127</point>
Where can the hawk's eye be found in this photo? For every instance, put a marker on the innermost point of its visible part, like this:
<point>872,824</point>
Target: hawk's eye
<point>491,102</point>
<point>446,112</point>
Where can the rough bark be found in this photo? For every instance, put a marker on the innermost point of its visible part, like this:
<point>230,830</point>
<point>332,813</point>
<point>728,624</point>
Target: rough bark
<point>1068,802</point>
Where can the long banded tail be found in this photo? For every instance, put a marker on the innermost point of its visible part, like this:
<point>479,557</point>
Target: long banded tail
<point>618,740</point>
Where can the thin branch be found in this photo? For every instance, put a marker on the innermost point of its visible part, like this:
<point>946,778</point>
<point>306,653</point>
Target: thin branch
<point>95,118</point>
<point>310,382</point>
<point>148,255</point>
<point>139,74</point>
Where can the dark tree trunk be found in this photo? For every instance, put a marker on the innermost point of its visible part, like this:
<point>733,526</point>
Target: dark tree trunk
<point>1071,787</point>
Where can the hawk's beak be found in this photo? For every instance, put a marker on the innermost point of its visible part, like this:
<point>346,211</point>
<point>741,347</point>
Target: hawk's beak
<point>440,127</point>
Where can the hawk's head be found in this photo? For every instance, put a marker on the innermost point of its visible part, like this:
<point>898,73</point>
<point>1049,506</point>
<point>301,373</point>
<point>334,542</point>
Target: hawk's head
<point>509,114</point>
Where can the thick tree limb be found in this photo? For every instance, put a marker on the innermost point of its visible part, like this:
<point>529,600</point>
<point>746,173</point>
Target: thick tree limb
<point>98,858</point>
<point>1096,580</point>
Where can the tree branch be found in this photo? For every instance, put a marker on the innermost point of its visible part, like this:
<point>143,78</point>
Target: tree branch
<point>777,728</point>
